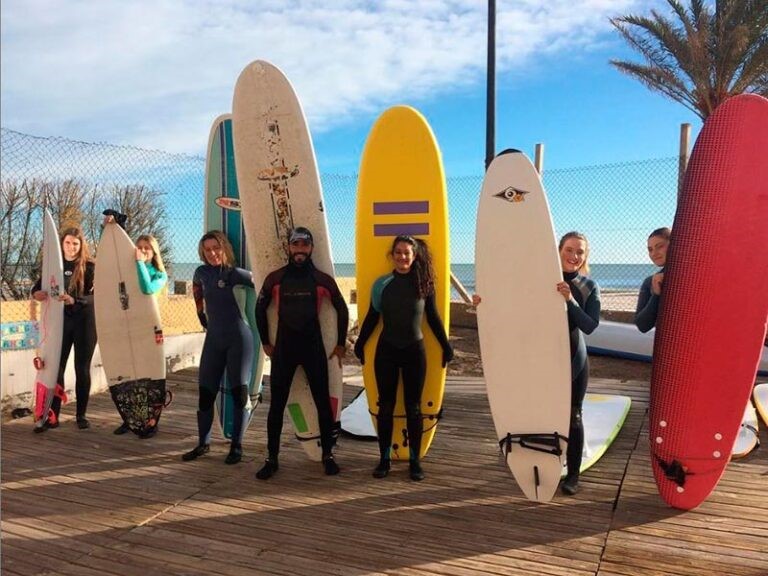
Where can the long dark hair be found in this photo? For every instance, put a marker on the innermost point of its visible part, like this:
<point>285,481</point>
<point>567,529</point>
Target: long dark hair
<point>422,264</point>
<point>77,284</point>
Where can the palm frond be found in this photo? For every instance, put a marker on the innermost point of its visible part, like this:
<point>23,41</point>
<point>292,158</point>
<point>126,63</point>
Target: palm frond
<point>699,57</point>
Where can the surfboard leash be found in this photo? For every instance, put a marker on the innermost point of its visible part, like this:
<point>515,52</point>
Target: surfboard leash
<point>679,472</point>
<point>546,443</point>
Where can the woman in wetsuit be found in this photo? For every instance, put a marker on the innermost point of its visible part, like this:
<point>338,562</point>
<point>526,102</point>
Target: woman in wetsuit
<point>650,291</point>
<point>228,341</point>
<point>582,296</point>
<point>401,299</point>
<point>152,278</point>
<point>79,324</point>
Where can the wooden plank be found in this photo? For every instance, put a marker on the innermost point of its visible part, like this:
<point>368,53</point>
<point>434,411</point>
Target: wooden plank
<point>95,502</point>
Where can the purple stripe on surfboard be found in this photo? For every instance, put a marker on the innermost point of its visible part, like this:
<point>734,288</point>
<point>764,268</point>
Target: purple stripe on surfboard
<point>414,229</point>
<point>415,207</point>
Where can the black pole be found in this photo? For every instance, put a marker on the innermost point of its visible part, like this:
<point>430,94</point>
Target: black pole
<point>490,109</point>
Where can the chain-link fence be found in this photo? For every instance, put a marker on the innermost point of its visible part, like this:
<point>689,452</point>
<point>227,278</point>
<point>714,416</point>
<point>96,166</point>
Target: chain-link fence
<point>616,206</point>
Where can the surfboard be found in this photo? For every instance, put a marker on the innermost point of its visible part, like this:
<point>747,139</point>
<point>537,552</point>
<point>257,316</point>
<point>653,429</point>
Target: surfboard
<point>747,439</point>
<point>622,340</point>
<point>51,322</point>
<point>699,387</point>
<point>356,419</point>
<point>280,189</point>
<point>130,333</point>
<point>760,396</point>
<point>402,190</point>
<point>604,416</point>
<point>522,324</point>
<point>222,212</point>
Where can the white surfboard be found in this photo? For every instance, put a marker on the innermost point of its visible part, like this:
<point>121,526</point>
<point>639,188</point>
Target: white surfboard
<point>603,416</point>
<point>51,321</point>
<point>280,189</point>
<point>522,324</point>
<point>760,395</point>
<point>356,418</point>
<point>130,332</point>
<point>747,439</point>
<point>624,340</point>
<point>621,340</point>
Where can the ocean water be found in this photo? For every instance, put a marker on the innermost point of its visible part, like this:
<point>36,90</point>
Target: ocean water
<point>610,277</point>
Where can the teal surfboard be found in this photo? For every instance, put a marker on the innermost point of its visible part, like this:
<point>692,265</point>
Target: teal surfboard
<point>222,212</point>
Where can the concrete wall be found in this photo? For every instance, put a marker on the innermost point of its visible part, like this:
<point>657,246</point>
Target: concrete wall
<point>17,375</point>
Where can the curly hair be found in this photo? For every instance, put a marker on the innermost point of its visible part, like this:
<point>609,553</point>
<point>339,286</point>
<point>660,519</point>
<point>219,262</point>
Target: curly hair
<point>422,263</point>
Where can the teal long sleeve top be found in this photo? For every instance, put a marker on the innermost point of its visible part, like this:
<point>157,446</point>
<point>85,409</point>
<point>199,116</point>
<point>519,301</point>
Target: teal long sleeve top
<point>151,280</point>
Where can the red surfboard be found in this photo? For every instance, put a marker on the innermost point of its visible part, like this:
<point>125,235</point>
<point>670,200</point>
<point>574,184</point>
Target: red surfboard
<point>714,305</point>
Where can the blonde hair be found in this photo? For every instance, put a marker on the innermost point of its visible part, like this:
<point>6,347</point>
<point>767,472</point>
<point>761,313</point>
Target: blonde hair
<point>584,269</point>
<point>228,254</point>
<point>157,258</point>
<point>77,284</point>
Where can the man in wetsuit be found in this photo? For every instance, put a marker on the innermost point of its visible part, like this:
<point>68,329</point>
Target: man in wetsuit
<point>298,289</point>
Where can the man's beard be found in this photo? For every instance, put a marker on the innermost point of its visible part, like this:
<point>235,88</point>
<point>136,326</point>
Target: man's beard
<point>303,262</point>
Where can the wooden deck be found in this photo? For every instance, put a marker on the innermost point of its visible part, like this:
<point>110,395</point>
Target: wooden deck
<point>90,503</point>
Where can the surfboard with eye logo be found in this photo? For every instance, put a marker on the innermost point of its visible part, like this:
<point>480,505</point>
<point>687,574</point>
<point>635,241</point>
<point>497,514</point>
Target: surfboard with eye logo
<point>522,324</point>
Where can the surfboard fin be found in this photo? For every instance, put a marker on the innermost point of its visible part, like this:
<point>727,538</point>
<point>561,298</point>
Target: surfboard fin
<point>674,471</point>
<point>41,391</point>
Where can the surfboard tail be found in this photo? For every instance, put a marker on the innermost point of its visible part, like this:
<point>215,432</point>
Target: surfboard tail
<point>44,397</point>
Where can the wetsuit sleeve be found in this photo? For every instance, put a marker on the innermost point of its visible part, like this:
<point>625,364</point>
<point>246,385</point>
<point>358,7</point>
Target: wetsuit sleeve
<point>197,293</point>
<point>586,319</point>
<point>241,277</point>
<point>262,303</point>
<point>366,329</point>
<point>150,283</point>
<point>342,313</point>
<point>436,324</point>
<point>647,307</point>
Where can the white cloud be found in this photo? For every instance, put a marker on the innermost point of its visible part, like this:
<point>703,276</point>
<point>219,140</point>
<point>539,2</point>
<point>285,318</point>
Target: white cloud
<point>154,73</point>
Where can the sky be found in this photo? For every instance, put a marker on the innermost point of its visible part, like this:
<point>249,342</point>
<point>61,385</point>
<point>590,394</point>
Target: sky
<point>155,73</point>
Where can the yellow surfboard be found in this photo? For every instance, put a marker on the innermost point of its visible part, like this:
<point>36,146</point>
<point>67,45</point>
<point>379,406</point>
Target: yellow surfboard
<point>401,190</point>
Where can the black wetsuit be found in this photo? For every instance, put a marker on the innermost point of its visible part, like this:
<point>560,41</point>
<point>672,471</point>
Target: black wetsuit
<point>80,332</point>
<point>228,344</point>
<point>298,292</point>
<point>396,300</point>
<point>647,306</point>
<point>583,318</point>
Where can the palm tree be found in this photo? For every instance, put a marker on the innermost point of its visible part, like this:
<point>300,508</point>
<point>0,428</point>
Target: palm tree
<point>703,57</point>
